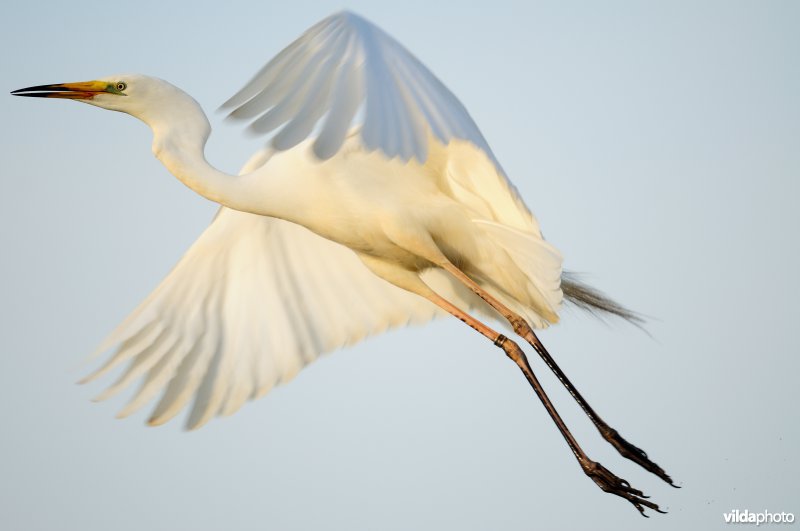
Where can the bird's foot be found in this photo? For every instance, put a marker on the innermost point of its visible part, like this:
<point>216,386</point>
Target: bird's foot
<point>615,485</point>
<point>635,454</point>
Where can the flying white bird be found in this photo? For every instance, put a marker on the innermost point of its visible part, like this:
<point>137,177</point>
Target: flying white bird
<point>377,203</point>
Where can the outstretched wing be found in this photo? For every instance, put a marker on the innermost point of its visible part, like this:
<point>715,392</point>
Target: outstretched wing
<point>252,302</point>
<point>345,72</point>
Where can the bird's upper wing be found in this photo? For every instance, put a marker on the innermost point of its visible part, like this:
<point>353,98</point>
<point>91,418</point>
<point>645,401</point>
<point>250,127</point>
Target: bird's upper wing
<point>345,77</point>
<point>346,73</point>
<point>252,302</point>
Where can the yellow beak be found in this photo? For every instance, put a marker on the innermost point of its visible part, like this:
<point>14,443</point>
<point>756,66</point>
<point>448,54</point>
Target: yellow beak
<point>84,90</point>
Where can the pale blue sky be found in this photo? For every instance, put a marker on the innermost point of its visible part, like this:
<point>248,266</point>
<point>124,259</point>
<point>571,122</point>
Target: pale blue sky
<point>659,146</point>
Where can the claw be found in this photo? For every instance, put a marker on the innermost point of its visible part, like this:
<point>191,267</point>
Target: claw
<point>613,484</point>
<point>635,454</point>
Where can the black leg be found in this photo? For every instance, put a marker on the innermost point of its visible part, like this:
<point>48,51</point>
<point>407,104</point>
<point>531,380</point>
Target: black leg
<point>625,448</point>
<point>523,329</point>
<point>604,478</point>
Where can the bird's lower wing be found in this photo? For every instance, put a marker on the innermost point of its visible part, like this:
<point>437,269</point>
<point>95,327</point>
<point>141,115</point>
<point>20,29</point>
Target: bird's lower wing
<point>251,303</point>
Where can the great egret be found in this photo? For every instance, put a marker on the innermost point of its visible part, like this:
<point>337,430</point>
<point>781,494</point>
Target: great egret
<point>377,192</point>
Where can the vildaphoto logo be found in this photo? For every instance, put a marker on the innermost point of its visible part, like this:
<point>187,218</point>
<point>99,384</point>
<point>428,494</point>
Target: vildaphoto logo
<point>764,517</point>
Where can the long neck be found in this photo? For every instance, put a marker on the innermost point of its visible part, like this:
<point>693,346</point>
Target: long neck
<point>181,149</point>
<point>180,131</point>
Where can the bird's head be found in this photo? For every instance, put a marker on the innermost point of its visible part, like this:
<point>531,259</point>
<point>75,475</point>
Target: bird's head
<point>147,98</point>
<point>156,102</point>
<point>124,93</point>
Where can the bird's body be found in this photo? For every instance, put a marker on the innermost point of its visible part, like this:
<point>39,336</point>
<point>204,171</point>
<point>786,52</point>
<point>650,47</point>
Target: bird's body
<point>402,212</point>
<point>408,213</point>
<point>350,223</point>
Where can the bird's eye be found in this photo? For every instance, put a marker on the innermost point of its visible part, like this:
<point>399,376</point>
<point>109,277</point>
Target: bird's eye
<point>121,86</point>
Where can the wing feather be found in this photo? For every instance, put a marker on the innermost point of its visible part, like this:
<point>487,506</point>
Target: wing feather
<point>346,100</point>
<point>265,90</point>
<point>274,68</point>
<point>252,302</point>
<point>299,89</point>
<point>367,69</point>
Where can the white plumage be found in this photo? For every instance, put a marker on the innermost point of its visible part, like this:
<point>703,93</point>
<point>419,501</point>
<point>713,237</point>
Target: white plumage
<point>376,204</point>
<point>370,137</point>
<point>257,298</point>
<point>346,71</point>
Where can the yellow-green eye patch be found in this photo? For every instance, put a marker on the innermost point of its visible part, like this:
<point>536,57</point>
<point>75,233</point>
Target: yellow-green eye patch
<point>117,87</point>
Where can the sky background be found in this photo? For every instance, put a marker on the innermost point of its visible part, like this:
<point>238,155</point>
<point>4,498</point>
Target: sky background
<point>657,143</point>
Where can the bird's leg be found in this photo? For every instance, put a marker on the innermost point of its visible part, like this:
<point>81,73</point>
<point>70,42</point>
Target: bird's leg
<point>611,435</point>
<point>604,479</point>
<point>523,329</point>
